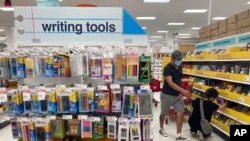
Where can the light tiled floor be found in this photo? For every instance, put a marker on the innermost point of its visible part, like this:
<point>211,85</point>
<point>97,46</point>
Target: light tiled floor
<point>5,133</point>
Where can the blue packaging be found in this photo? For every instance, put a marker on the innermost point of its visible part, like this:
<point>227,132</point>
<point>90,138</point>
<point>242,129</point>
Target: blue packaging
<point>17,67</point>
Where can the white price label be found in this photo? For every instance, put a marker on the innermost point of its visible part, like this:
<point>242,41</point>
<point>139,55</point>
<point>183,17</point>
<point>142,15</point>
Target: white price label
<point>67,117</point>
<point>41,95</point>
<point>51,117</point>
<point>3,98</point>
<point>112,118</point>
<point>247,79</point>
<point>98,119</point>
<point>82,117</point>
<point>114,86</point>
<point>242,100</point>
<point>133,49</point>
<point>102,87</point>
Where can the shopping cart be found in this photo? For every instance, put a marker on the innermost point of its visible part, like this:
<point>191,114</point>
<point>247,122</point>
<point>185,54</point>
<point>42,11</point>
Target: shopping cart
<point>155,86</point>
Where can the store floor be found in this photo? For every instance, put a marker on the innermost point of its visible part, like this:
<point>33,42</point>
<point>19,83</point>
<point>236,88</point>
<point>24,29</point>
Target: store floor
<point>5,133</point>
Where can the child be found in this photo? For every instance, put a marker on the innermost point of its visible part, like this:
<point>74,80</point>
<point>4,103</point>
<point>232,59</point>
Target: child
<point>209,107</point>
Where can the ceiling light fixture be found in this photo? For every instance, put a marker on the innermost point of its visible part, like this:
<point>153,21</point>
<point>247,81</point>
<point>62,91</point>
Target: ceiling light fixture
<point>176,23</point>
<point>144,27</point>
<point>162,31</point>
<point>60,0</point>
<point>195,11</point>
<point>156,36</point>
<point>145,18</point>
<point>151,40</point>
<point>195,28</point>
<point>156,1</point>
<point>1,30</point>
<point>2,38</point>
<point>248,2</point>
<point>184,34</point>
<point>219,18</point>
<point>7,8</point>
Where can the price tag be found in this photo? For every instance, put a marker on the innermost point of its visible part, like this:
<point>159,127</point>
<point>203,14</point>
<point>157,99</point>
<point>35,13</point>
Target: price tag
<point>41,95</point>
<point>242,100</point>
<point>102,87</point>
<point>112,118</point>
<point>67,117</point>
<point>98,119</point>
<point>133,49</point>
<point>81,86</point>
<point>51,117</point>
<point>3,94</point>
<point>114,86</point>
<point>26,95</point>
<point>82,117</point>
<point>247,79</point>
<point>128,88</point>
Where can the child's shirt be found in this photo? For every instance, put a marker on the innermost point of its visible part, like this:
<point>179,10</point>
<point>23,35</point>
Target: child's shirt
<point>209,108</point>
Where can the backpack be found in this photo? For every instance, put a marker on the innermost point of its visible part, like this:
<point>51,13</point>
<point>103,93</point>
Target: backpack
<point>205,125</point>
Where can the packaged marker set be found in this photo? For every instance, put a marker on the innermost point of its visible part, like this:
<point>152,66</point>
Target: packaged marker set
<point>39,100</point>
<point>16,129</point>
<point>4,68</point>
<point>120,68</point>
<point>147,130</point>
<point>61,64</point>
<point>132,67</point>
<point>97,127</point>
<point>135,129</point>
<point>30,66</point>
<point>123,129</point>
<point>17,67</point>
<point>128,104</point>
<point>67,101</point>
<point>86,99</point>
<point>45,66</point>
<point>112,127</point>
<point>95,66</point>
<point>102,99</point>
<point>14,103</point>
<point>116,97</point>
<point>51,100</point>
<point>145,102</point>
<point>27,101</point>
<point>28,130</point>
<point>43,130</point>
<point>107,68</point>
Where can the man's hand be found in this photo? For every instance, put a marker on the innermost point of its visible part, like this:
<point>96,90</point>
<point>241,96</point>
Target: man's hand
<point>187,94</point>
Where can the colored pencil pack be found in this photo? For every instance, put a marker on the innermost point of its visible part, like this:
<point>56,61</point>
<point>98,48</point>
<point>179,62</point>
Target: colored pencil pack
<point>95,67</point>
<point>116,97</point>
<point>102,99</point>
<point>112,127</point>
<point>45,66</point>
<point>123,129</point>
<point>28,131</point>
<point>147,130</point>
<point>128,104</point>
<point>145,69</point>
<point>120,68</point>
<point>17,67</point>
<point>43,130</point>
<point>67,101</point>
<point>51,100</point>
<point>132,67</point>
<point>14,103</point>
<point>87,99</point>
<point>135,129</point>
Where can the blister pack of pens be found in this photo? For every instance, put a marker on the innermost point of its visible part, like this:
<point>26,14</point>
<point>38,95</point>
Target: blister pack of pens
<point>27,101</point>
<point>14,103</point>
<point>67,101</point>
<point>30,66</point>
<point>28,130</point>
<point>45,66</point>
<point>112,127</point>
<point>95,66</point>
<point>128,103</point>
<point>86,127</point>
<point>58,128</point>
<point>145,69</point>
<point>120,68</point>
<point>102,99</point>
<point>39,100</point>
<point>61,65</point>
<point>107,69</point>
<point>43,130</point>
<point>73,127</point>
<point>147,130</point>
<point>97,127</point>
<point>135,129</point>
<point>79,63</point>
<point>116,97</point>
<point>86,99</point>
<point>123,129</point>
<point>145,102</point>
<point>132,67</point>
<point>16,129</point>
<point>4,68</point>
<point>51,100</point>
<point>17,67</point>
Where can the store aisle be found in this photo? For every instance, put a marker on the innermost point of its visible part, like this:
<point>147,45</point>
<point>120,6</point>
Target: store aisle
<point>171,127</point>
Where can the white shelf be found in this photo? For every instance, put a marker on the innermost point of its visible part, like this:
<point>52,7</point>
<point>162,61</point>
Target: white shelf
<point>238,120</point>
<point>234,81</point>
<point>220,129</point>
<point>222,60</point>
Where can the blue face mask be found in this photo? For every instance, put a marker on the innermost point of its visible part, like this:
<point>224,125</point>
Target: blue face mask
<point>178,63</point>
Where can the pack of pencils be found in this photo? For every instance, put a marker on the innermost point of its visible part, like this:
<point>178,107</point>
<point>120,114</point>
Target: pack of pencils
<point>120,68</point>
<point>116,98</point>
<point>145,102</point>
<point>67,101</point>
<point>95,66</point>
<point>128,103</point>
<point>40,100</point>
<point>73,127</point>
<point>135,129</point>
<point>145,69</point>
<point>97,127</point>
<point>58,128</point>
<point>132,67</point>
<point>43,130</point>
<point>112,127</point>
<point>86,128</point>
<point>30,66</point>
<point>4,68</point>
<point>107,70</point>
<point>28,130</point>
<point>45,66</point>
<point>102,99</point>
<point>87,99</point>
<point>27,101</point>
<point>61,64</point>
<point>16,129</point>
<point>51,100</point>
<point>123,129</point>
<point>147,130</point>
<point>79,63</point>
<point>14,103</point>
<point>17,67</point>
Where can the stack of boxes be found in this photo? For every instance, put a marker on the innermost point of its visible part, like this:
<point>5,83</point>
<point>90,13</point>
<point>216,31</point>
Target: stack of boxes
<point>233,25</point>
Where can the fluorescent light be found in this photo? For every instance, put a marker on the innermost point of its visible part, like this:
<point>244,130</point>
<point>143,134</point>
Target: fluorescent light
<point>184,37</point>
<point>160,44</point>
<point>156,36</point>
<point>195,28</point>
<point>144,27</point>
<point>162,31</point>
<point>145,18</point>
<point>60,0</point>
<point>1,30</point>
<point>176,23</point>
<point>7,8</point>
<point>219,18</point>
<point>151,40</point>
<point>195,11</point>
<point>248,2</point>
<point>184,34</point>
<point>2,38</point>
<point>156,1</point>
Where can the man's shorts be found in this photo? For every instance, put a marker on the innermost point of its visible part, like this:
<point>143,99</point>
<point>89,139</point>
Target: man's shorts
<point>169,100</point>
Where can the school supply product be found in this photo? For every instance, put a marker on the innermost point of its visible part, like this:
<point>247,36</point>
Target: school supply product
<point>16,129</point>
<point>144,100</point>
<point>67,101</point>
<point>144,69</point>
<point>132,67</point>
<point>107,70</point>
<point>97,127</point>
<point>135,130</point>
<point>27,101</point>
<point>39,100</point>
<point>147,130</point>
<point>61,65</point>
<point>73,127</point>
<point>86,99</point>
<point>123,129</point>
<point>102,99</point>
<point>28,130</point>
<point>58,128</point>
<point>43,130</point>
<point>17,67</point>
<point>205,125</point>
<point>79,63</point>
<point>128,104</point>
<point>95,67</point>
<point>14,103</point>
<point>51,100</point>
<point>86,128</point>
<point>116,97</point>
<point>112,127</point>
<point>45,66</point>
<point>29,66</point>
<point>119,68</point>
<point>4,68</point>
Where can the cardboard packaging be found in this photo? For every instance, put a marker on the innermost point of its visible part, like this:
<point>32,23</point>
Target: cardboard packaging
<point>215,37</point>
<point>243,15</point>
<point>231,26</point>
<point>232,19</point>
<point>207,39</point>
<point>202,35</point>
<point>207,28</point>
<point>223,23</point>
<point>223,29</point>
<point>202,30</point>
<point>231,33</point>
<point>214,25</point>
<point>207,34</point>
<point>243,30</point>
<point>223,35</point>
<point>243,23</point>
<point>214,32</point>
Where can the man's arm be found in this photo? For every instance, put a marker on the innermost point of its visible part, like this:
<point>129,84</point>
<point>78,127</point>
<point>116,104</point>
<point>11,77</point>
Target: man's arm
<point>176,87</point>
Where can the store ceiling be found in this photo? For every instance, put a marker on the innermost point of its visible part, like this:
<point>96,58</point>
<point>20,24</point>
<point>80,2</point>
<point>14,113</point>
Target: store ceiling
<point>164,12</point>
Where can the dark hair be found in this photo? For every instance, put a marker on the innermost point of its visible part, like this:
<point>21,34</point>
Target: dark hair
<point>211,92</point>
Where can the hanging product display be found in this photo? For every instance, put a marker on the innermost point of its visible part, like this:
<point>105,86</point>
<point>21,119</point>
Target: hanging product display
<point>145,69</point>
<point>86,128</point>
<point>67,101</point>
<point>128,104</point>
<point>39,100</point>
<point>58,128</point>
<point>112,127</point>
<point>45,66</point>
<point>30,66</point>
<point>73,127</point>
<point>79,63</point>
<point>17,67</point>
<point>28,131</point>
<point>107,70</point>
<point>86,99</point>
<point>102,99</point>
<point>27,101</point>
<point>116,97</point>
<point>135,129</point>
<point>132,67</point>
<point>123,129</point>
<point>51,100</point>
<point>4,68</point>
<point>16,129</point>
<point>61,65</point>
<point>43,130</point>
<point>14,103</point>
<point>145,102</point>
<point>147,130</point>
<point>97,127</point>
<point>95,66</point>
